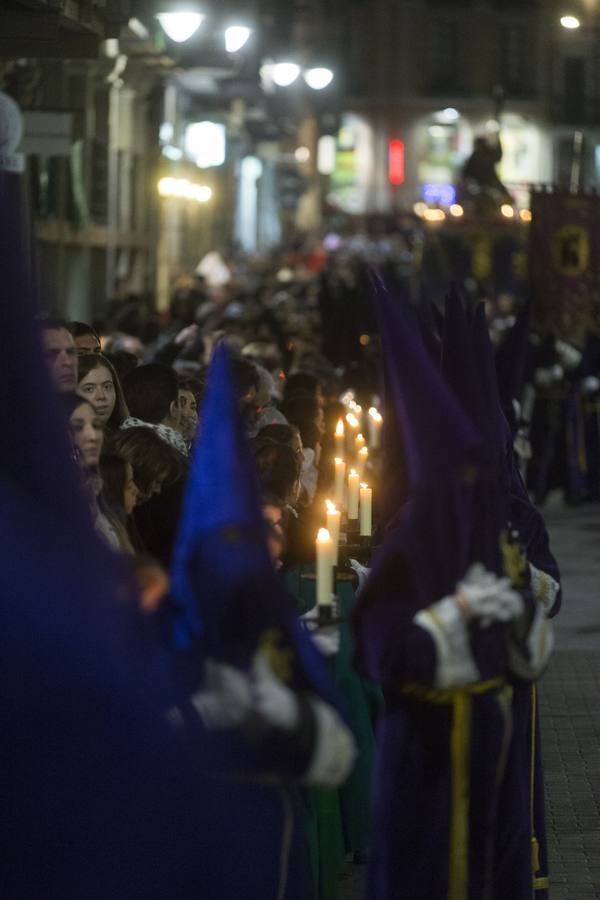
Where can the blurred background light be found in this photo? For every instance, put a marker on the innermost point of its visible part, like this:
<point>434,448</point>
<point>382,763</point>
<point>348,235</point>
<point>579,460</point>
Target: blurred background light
<point>236,37</point>
<point>180,26</point>
<point>318,78</point>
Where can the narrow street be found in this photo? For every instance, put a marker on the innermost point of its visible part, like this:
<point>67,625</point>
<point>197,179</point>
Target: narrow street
<point>570,711</point>
<point>569,698</point>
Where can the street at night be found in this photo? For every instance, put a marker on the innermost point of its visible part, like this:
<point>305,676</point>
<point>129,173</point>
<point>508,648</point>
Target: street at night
<point>300,458</point>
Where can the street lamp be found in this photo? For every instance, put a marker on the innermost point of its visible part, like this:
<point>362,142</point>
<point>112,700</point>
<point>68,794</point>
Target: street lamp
<point>236,37</point>
<point>285,73</point>
<point>570,22</point>
<point>181,25</point>
<point>318,77</point>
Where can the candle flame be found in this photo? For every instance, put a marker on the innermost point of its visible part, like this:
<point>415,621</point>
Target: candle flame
<point>352,420</point>
<point>337,460</point>
<point>323,535</point>
<point>331,507</point>
<point>339,428</point>
<point>375,414</point>
<point>364,486</point>
<point>359,438</point>
<point>353,472</point>
<point>364,451</point>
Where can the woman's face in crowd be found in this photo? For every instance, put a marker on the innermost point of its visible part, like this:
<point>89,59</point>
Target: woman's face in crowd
<point>296,443</point>
<point>273,516</point>
<point>320,420</point>
<point>130,493</point>
<point>97,387</point>
<point>88,434</point>
<point>189,415</point>
<point>87,343</point>
<point>154,488</point>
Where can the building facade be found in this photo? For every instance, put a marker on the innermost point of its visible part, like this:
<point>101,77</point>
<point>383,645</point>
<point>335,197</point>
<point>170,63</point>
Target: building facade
<point>435,74</point>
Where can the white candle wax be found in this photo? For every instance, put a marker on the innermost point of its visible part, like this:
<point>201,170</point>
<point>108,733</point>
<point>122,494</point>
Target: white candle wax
<point>363,455</point>
<point>366,511</point>
<point>339,437</point>
<point>340,475</point>
<point>324,568</point>
<point>353,488</point>
<point>358,412</point>
<point>375,423</point>
<point>333,527</point>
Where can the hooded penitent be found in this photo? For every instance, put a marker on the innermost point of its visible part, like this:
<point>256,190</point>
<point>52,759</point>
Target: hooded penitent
<point>511,360</point>
<point>93,785</point>
<point>429,535</point>
<point>521,858</point>
<point>431,754</point>
<point>230,599</point>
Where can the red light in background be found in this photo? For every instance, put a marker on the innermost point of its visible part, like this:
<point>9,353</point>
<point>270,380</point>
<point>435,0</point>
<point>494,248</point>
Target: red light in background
<point>396,162</point>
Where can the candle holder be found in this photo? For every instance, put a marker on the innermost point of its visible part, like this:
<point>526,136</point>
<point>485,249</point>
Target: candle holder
<point>352,530</point>
<point>361,550</point>
<point>327,615</point>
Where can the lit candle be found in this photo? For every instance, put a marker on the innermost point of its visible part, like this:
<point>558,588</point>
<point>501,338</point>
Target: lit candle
<point>358,412</point>
<point>366,511</point>
<point>351,432</point>
<point>352,421</point>
<point>340,475</point>
<point>339,438</point>
<point>375,423</point>
<point>353,488</point>
<point>359,442</point>
<point>324,568</point>
<point>333,527</point>
<point>363,455</point>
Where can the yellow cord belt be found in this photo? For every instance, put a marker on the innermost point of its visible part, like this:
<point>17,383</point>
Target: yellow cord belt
<point>461,700</point>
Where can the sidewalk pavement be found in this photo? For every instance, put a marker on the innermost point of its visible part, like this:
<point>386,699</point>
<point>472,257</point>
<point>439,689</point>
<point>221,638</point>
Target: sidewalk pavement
<point>570,710</point>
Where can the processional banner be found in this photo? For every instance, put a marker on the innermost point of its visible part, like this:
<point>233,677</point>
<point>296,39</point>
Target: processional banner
<point>564,262</point>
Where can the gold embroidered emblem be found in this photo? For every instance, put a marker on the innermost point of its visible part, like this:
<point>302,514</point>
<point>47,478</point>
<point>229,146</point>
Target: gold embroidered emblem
<point>514,561</point>
<point>279,657</point>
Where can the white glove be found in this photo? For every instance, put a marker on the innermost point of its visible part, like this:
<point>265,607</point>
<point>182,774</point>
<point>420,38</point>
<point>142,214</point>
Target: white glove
<point>543,377</point>
<point>363,573</point>
<point>484,596</point>
<point>522,445</point>
<point>447,626</point>
<point>590,385</point>
<point>326,639</point>
<point>335,749</point>
<point>570,355</point>
<point>273,701</point>
<point>229,697</point>
<point>225,700</point>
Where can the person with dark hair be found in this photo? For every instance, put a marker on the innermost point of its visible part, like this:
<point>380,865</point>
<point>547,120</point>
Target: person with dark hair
<point>87,432</point>
<point>305,385</point>
<point>159,471</point>
<point>190,398</point>
<point>152,395</point>
<point>246,383</point>
<point>98,382</point>
<point>119,497</point>
<point>85,337</point>
<point>274,516</point>
<point>300,409</point>
<point>288,435</point>
<point>153,461</point>
<point>279,471</point>
<point>60,353</point>
<point>123,362</point>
